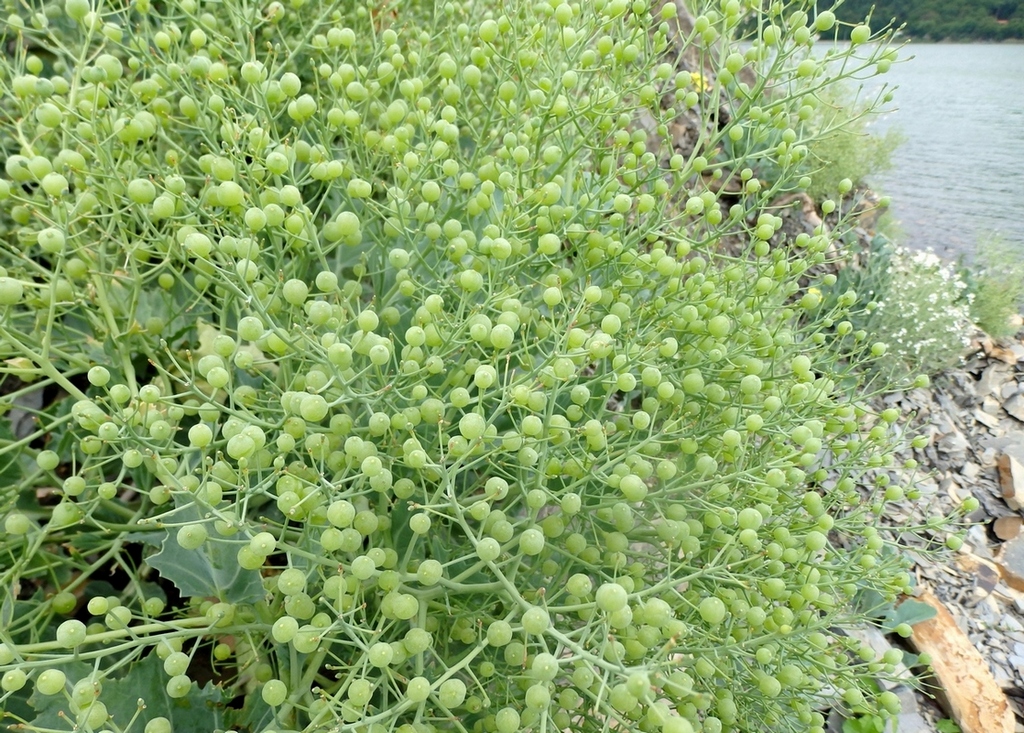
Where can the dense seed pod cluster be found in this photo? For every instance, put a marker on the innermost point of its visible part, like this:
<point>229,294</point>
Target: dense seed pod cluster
<point>405,382</point>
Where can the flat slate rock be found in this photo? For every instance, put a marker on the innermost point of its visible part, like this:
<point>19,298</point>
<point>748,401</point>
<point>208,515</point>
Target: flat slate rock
<point>1011,562</point>
<point>1015,406</point>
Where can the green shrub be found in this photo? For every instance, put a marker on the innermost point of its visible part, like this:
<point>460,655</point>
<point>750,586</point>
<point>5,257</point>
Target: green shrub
<point>845,147</point>
<point>996,280</point>
<point>376,388</point>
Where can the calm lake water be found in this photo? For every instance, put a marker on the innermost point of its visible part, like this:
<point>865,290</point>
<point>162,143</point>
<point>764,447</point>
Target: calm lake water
<point>959,176</point>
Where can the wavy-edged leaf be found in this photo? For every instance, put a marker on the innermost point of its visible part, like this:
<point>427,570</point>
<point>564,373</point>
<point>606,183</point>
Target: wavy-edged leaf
<point>909,612</point>
<point>202,709</point>
<point>210,570</point>
<point>140,691</point>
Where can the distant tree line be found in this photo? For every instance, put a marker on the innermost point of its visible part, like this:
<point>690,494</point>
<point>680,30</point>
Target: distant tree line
<point>938,20</point>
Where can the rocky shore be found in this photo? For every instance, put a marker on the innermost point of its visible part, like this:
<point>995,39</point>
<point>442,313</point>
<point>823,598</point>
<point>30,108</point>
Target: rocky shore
<point>974,415</point>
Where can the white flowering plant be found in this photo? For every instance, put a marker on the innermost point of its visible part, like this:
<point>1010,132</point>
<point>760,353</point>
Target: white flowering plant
<point>916,303</point>
<point>379,372</point>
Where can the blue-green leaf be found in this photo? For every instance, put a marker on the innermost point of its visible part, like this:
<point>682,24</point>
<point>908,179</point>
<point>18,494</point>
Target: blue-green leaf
<point>202,709</point>
<point>909,612</point>
<point>211,570</point>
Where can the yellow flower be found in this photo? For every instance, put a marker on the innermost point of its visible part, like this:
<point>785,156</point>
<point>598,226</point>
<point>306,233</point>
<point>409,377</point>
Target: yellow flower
<point>700,81</point>
<point>811,299</point>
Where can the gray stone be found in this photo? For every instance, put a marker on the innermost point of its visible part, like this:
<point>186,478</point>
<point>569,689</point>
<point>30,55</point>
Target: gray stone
<point>985,614</point>
<point>1008,390</point>
<point>1011,562</point>
<point>912,723</point>
<point>1003,678</point>
<point>992,379</point>
<point>978,541</point>
<point>950,404</point>
<point>1015,448</point>
<point>943,423</point>
<point>908,698</point>
<point>954,443</point>
<point>1009,623</point>
<point>988,419</point>
<point>985,580</point>
<point>1015,406</point>
<point>963,492</point>
<point>1011,481</point>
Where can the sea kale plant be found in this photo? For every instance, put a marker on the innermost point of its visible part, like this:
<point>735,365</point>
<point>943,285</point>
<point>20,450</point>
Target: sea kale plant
<point>385,368</point>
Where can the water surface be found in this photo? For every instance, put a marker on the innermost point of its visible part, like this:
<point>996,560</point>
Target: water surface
<point>959,175</point>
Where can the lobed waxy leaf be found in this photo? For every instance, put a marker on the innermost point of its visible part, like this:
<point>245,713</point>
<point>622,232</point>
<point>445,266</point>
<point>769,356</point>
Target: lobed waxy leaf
<point>909,612</point>
<point>210,570</point>
<point>202,709</point>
